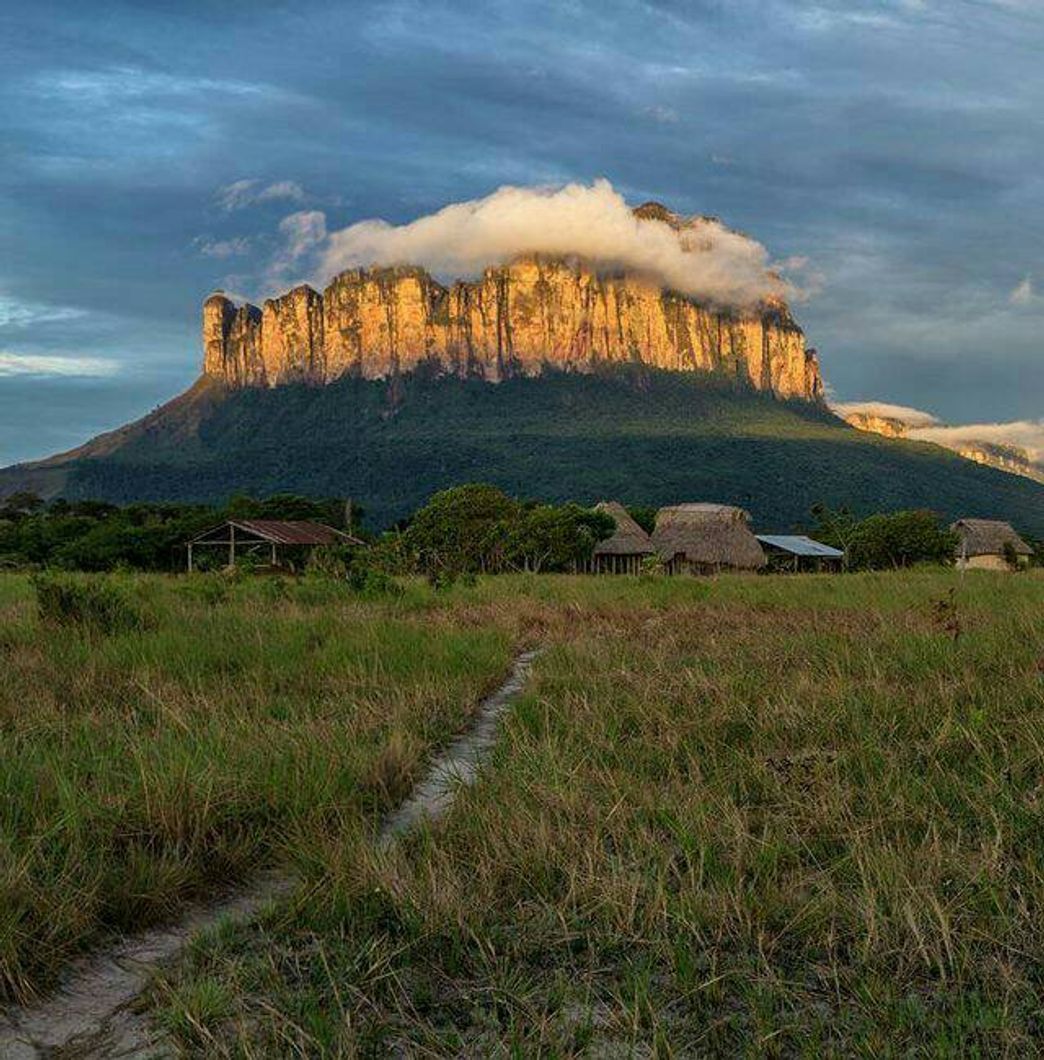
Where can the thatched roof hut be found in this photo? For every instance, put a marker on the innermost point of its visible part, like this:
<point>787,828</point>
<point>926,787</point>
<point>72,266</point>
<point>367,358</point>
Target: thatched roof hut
<point>629,539</point>
<point>988,543</point>
<point>706,538</point>
<point>623,551</point>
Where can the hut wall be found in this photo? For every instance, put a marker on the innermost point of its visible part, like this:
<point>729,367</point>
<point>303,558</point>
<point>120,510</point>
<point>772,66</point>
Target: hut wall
<point>988,563</point>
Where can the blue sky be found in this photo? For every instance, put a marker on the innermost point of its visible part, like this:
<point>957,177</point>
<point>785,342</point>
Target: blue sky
<point>150,151</point>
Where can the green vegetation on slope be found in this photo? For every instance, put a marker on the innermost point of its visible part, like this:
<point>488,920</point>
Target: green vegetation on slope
<point>748,816</point>
<point>640,436</point>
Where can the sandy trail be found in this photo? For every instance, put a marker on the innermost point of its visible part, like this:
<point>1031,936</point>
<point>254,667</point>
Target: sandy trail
<point>92,1015</point>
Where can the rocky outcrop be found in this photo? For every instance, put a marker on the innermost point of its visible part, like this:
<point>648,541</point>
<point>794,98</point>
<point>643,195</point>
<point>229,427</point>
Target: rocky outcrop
<point>1005,457</point>
<point>1011,458</point>
<point>515,320</point>
<point>889,426</point>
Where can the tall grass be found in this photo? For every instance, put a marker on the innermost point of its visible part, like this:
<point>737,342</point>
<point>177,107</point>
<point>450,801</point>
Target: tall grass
<point>762,816</point>
<point>144,766</point>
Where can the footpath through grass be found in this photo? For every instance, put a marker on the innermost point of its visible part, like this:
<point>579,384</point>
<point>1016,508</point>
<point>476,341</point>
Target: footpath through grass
<point>762,816</point>
<point>144,767</point>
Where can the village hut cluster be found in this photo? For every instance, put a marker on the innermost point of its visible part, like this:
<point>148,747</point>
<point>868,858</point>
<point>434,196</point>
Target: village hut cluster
<point>703,539</point>
<point>710,538</point>
<point>698,538</point>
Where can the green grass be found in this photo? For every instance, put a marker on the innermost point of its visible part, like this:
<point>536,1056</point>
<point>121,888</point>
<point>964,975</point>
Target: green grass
<point>747,816</point>
<point>144,767</point>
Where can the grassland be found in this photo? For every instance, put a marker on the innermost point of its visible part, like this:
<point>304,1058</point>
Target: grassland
<point>748,816</point>
<point>142,769</point>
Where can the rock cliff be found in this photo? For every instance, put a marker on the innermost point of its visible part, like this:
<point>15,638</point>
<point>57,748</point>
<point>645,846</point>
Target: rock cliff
<point>1005,457</point>
<point>889,426</point>
<point>513,321</point>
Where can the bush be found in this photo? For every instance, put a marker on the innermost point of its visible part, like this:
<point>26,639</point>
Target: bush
<point>371,581</point>
<point>886,541</point>
<point>86,603</point>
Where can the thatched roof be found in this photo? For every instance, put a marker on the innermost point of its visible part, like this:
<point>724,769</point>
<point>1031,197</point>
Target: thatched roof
<point>629,539</point>
<point>714,535</point>
<point>987,537</point>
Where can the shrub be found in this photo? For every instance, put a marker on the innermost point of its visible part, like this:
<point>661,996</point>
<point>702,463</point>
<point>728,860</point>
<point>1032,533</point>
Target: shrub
<point>887,540</point>
<point>86,603</point>
<point>1011,557</point>
<point>370,581</point>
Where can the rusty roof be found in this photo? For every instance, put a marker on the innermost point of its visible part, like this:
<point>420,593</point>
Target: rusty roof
<point>286,531</point>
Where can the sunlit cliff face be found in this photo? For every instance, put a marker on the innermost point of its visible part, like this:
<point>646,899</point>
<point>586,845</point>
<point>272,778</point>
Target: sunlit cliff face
<point>514,321</point>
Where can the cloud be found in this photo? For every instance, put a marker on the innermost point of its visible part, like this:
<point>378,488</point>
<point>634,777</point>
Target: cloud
<point>17,314</point>
<point>222,248</point>
<point>704,260</point>
<point>302,232</point>
<point>1022,434</point>
<point>243,193</point>
<point>118,84</point>
<point>903,413</point>
<point>1024,293</point>
<point>42,365</point>
<point>1027,435</point>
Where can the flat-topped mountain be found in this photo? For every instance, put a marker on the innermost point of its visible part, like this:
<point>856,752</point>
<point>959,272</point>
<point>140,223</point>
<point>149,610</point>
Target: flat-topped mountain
<point>552,377</point>
<point>515,320</point>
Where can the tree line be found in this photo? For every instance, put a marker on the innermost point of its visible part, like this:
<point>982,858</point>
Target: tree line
<point>463,531</point>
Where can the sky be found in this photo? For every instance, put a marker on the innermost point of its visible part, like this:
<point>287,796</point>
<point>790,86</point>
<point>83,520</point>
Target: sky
<point>151,152</point>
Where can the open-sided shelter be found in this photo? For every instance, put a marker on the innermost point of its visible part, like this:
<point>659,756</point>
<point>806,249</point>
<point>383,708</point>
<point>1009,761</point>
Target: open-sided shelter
<point>276,542</point>
<point>796,552</point>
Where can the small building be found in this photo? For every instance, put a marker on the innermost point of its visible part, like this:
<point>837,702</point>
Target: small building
<point>273,542</point>
<point>796,552</point>
<point>625,549</point>
<point>706,539</point>
<point>989,544</point>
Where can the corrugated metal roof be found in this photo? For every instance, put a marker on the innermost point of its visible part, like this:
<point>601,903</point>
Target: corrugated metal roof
<point>799,545</point>
<point>291,531</point>
<point>285,531</point>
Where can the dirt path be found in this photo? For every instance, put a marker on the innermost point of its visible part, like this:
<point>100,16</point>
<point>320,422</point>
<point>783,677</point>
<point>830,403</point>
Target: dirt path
<point>93,1016</point>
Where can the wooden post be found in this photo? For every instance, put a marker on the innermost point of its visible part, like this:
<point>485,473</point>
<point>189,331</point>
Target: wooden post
<point>231,545</point>
<point>190,558</point>
<point>273,554</point>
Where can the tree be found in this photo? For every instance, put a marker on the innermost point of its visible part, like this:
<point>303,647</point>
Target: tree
<point>546,537</point>
<point>900,539</point>
<point>1037,544</point>
<point>644,516</point>
<point>20,504</point>
<point>834,527</point>
<point>462,530</point>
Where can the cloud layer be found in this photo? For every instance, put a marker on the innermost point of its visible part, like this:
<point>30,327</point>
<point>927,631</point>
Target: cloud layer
<point>1023,434</point>
<point>1027,435</point>
<point>903,413</point>
<point>46,365</point>
<point>705,260</point>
